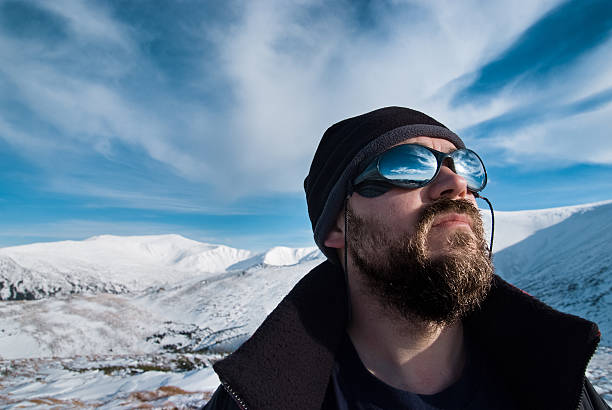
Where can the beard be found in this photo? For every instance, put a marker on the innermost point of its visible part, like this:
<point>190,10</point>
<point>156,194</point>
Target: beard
<point>407,280</point>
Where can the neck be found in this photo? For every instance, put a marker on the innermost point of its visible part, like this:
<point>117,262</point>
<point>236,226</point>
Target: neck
<point>408,354</point>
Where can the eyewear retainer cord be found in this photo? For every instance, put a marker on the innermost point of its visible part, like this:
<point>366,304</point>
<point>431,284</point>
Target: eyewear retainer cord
<point>349,310</point>
<point>477,195</point>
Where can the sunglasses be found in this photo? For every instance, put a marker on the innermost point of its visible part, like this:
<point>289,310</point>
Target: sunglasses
<point>414,166</point>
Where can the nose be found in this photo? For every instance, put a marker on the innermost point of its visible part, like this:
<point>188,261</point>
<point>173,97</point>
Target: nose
<point>448,184</point>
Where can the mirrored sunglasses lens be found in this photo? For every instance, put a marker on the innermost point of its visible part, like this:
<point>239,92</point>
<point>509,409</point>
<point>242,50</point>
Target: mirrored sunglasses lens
<point>470,167</point>
<point>410,164</point>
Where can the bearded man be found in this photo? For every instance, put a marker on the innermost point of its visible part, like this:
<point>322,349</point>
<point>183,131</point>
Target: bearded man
<point>406,313</point>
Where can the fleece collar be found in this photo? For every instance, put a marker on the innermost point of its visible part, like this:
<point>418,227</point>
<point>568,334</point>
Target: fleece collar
<point>539,353</point>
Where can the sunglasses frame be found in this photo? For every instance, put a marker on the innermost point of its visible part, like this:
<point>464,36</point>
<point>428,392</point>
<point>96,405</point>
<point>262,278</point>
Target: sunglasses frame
<point>372,175</point>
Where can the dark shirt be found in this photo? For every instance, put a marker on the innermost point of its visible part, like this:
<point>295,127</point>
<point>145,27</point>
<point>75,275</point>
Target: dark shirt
<point>356,388</point>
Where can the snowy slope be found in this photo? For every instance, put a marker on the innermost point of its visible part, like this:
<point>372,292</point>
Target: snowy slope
<point>108,264</point>
<point>279,256</point>
<point>565,264</point>
<point>189,300</point>
<point>210,312</point>
<point>568,266</point>
<point>512,227</point>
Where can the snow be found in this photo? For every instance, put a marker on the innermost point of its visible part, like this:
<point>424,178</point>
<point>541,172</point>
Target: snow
<point>279,256</point>
<point>201,317</point>
<point>513,227</point>
<point>568,266</point>
<point>138,321</point>
<point>78,383</point>
<point>229,306</point>
<point>111,264</point>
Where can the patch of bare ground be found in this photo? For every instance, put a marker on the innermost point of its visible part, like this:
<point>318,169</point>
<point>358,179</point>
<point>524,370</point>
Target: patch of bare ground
<point>50,401</point>
<point>161,393</point>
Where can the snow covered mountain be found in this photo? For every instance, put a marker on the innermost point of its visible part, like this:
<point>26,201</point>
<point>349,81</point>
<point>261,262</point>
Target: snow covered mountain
<point>279,256</point>
<point>561,255</point>
<point>174,298</point>
<point>114,264</point>
<point>108,264</point>
<point>514,226</point>
<point>568,265</point>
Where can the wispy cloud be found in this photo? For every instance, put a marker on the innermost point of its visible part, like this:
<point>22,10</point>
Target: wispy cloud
<point>193,107</point>
<point>297,67</point>
<point>576,138</point>
<point>556,80</point>
<point>547,49</point>
<point>554,120</point>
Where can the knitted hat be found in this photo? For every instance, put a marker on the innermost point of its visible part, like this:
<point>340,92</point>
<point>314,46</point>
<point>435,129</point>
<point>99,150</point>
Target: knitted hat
<point>346,149</point>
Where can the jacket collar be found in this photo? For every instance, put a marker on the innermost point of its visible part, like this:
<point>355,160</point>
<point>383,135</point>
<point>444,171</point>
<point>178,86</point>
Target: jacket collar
<point>540,354</point>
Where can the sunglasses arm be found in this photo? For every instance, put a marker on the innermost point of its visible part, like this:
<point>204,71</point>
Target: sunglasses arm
<point>370,173</point>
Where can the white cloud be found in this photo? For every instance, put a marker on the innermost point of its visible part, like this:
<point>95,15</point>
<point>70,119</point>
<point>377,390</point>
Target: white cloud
<point>560,136</point>
<point>90,22</point>
<point>151,198</point>
<point>575,139</point>
<point>294,77</point>
<point>291,74</point>
<point>88,111</point>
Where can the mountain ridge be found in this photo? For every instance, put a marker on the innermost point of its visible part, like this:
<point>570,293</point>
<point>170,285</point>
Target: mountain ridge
<point>564,260</point>
<point>121,264</point>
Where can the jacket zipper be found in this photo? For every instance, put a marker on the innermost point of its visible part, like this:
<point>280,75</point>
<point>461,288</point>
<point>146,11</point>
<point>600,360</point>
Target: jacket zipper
<point>584,374</point>
<point>239,401</point>
<point>579,401</point>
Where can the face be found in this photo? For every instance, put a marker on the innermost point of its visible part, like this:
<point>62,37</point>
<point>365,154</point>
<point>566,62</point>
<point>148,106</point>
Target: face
<point>421,251</point>
<point>397,211</point>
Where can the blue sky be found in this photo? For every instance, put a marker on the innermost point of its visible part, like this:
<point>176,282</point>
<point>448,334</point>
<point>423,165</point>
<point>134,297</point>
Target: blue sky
<point>201,118</point>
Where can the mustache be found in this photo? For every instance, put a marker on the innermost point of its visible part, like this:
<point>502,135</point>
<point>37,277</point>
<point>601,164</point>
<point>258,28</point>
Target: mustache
<point>446,205</point>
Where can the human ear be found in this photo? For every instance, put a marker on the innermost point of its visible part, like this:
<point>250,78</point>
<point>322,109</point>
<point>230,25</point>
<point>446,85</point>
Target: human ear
<point>335,236</point>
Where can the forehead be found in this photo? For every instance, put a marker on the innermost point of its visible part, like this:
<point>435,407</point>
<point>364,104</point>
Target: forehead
<point>439,144</point>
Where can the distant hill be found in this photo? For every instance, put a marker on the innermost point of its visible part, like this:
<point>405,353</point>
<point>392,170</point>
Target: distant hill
<point>107,263</point>
<point>568,265</point>
<point>131,295</point>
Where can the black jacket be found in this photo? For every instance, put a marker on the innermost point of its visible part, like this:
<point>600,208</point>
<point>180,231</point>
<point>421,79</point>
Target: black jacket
<point>539,354</point>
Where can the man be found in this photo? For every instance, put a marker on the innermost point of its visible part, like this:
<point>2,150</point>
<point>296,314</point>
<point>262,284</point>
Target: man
<point>406,313</point>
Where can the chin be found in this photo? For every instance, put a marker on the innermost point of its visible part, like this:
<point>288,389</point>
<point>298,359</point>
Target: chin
<point>460,241</point>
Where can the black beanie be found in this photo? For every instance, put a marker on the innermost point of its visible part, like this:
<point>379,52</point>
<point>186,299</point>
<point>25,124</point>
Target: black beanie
<point>347,147</point>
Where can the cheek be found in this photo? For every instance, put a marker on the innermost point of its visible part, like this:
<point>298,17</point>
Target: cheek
<point>401,217</point>
<point>396,211</point>
<point>470,197</point>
